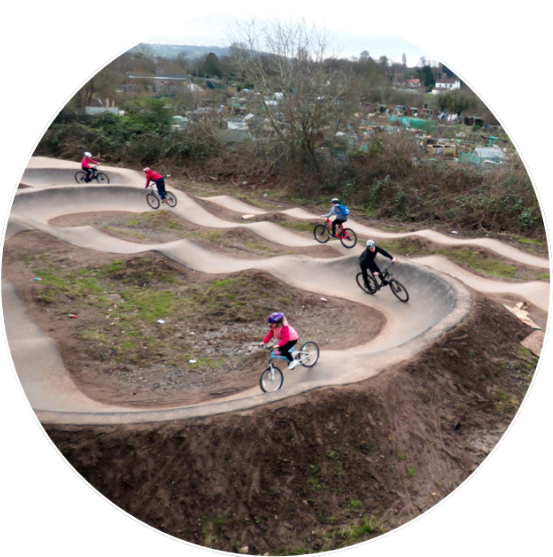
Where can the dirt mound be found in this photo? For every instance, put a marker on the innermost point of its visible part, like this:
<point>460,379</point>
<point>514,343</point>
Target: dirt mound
<point>326,469</point>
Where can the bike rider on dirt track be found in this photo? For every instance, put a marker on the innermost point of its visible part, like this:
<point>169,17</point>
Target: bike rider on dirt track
<point>285,334</point>
<point>341,212</point>
<point>159,181</point>
<point>85,165</point>
<point>366,260</point>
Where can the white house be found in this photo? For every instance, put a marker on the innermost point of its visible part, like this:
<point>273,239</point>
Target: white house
<point>445,85</point>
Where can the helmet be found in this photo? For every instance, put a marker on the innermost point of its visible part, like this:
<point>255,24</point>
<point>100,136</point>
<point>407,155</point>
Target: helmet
<point>370,243</point>
<point>335,200</point>
<point>275,317</point>
<point>147,169</point>
<point>87,154</point>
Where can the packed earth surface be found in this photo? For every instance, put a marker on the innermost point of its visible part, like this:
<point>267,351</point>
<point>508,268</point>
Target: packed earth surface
<point>145,372</point>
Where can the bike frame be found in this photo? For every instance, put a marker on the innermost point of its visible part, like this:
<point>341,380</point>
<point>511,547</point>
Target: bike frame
<point>342,231</point>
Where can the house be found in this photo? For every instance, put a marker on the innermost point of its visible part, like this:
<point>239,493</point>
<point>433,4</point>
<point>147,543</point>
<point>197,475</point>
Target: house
<point>446,85</point>
<point>414,83</point>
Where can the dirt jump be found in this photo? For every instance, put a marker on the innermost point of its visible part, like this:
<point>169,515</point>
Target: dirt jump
<point>442,295</point>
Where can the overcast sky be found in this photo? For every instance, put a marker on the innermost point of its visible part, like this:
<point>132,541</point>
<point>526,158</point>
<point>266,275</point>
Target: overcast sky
<point>347,42</point>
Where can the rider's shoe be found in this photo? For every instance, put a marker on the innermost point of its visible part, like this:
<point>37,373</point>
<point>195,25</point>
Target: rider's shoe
<point>164,200</point>
<point>293,364</point>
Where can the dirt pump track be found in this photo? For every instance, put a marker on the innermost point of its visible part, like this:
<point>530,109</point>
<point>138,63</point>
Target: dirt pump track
<point>438,301</point>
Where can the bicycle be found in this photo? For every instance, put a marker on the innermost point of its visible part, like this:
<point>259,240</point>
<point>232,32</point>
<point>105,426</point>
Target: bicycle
<point>323,233</point>
<point>387,279</point>
<point>100,177</point>
<point>154,199</point>
<point>272,378</point>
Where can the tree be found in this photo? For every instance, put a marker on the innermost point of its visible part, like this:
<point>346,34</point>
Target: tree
<point>288,62</point>
<point>427,77</point>
<point>364,55</point>
<point>404,60</point>
<point>212,66</point>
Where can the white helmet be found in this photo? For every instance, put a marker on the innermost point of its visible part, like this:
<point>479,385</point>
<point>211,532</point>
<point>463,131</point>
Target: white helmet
<point>335,200</point>
<point>87,154</point>
<point>147,169</point>
<point>370,243</point>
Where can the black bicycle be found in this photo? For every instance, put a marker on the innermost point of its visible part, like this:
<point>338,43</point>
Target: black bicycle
<point>100,177</point>
<point>386,279</point>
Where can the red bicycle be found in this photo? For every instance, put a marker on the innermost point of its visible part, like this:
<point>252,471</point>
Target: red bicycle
<point>323,233</point>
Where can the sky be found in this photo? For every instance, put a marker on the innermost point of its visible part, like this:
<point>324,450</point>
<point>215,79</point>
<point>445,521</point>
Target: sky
<point>347,41</point>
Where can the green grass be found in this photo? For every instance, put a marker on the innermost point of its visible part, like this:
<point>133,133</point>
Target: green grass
<point>531,241</point>
<point>300,226</point>
<point>151,305</point>
<point>478,262</point>
<point>543,276</point>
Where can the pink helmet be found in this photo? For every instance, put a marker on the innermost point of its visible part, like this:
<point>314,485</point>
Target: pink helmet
<point>147,169</point>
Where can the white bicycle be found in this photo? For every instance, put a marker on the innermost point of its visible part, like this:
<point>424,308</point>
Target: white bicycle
<point>154,199</point>
<point>271,379</point>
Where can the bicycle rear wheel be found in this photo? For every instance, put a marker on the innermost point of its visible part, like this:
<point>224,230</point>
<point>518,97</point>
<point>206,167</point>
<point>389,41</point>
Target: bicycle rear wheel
<point>271,379</point>
<point>102,178</point>
<point>321,233</point>
<point>371,288</point>
<point>309,354</point>
<point>350,238</point>
<point>171,199</point>
<point>399,291</point>
<point>153,200</point>
<point>80,177</point>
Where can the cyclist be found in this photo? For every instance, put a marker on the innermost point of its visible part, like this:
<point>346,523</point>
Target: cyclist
<point>159,181</point>
<point>366,261</point>
<point>284,333</point>
<point>341,212</point>
<point>85,165</point>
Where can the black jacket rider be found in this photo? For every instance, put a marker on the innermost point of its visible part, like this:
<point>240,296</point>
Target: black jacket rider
<point>366,261</point>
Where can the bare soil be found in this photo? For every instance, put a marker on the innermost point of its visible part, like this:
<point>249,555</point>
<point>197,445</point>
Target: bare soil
<point>163,227</point>
<point>325,469</point>
<point>117,352</point>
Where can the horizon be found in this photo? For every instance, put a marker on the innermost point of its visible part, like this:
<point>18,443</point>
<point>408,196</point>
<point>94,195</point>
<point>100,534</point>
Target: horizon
<point>213,31</point>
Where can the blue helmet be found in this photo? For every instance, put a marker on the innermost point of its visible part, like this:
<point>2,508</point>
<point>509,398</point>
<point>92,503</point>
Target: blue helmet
<point>275,317</point>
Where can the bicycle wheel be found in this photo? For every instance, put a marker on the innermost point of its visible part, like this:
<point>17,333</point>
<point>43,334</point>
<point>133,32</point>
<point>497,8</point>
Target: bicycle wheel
<point>271,379</point>
<point>371,289</point>
<point>102,178</point>
<point>309,354</point>
<point>153,200</point>
<point>171,199</point>
<point>350,238</point>
<point>321,233</point>
<point>399,291</point>
<point>80,177</point>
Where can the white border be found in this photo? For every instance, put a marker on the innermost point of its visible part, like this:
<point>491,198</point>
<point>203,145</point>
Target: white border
<point>50,49</point>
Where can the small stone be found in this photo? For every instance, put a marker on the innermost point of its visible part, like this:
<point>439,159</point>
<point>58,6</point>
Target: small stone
<point>244,550</point>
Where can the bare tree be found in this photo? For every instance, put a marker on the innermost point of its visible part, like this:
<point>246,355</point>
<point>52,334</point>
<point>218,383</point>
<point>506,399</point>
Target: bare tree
<point>300,93</point>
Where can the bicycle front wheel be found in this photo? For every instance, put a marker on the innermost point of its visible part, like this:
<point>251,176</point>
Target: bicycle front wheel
<point>371,288</point>
<point>309,354</point>
<point>153,200</point>
<point>271,379</point>
<point>321,233</point>
<point>80,177</point>
<point>399,291</point>
<point>171,199</point>
<point>102,178</point>
<point>349,239</point>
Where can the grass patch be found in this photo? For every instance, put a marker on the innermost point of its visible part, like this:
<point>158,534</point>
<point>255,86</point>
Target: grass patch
<point>300,226</point>
<point>480,263</point>
<point>151,305</point>
<point>531,241</point>
<point>543,276</point>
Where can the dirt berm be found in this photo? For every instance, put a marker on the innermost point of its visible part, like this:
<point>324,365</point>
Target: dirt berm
<point>322,470</point>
